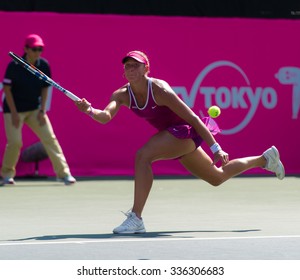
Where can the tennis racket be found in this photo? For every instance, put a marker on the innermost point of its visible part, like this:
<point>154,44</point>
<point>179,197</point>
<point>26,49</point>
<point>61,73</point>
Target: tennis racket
<point>38,73</point>
<point>211,125</point>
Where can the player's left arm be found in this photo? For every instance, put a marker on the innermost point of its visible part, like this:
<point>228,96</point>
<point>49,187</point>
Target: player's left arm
<point>165,96</point>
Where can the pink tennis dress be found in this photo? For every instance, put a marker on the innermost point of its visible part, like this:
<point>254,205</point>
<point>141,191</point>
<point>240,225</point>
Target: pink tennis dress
<point>162,118</point>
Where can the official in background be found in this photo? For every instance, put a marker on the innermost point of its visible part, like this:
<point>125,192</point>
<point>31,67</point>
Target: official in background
<point>25,103</point>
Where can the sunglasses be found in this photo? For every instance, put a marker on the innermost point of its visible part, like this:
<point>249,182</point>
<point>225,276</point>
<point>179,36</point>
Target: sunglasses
<point>37,49</point>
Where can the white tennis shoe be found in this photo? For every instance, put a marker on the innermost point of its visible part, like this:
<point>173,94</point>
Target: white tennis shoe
<point>132,224</point>
<point>273,162</point>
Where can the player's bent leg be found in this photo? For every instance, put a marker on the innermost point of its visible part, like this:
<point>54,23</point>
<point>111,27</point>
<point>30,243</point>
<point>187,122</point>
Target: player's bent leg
<point>163,145</point>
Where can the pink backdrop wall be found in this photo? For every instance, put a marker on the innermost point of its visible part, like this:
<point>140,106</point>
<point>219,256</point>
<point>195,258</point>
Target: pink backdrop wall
<point>248,67</point>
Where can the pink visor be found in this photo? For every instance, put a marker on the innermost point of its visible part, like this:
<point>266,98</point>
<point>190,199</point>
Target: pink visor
<point>137,56</point>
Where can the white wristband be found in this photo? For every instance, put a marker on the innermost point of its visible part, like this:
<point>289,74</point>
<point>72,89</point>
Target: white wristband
<point>215,148</point>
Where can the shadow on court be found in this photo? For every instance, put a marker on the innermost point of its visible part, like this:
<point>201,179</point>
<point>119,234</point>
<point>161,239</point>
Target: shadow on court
<point>170,234</point>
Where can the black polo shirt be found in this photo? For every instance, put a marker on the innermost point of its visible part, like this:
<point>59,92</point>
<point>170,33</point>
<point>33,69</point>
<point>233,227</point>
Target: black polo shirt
<point>25,87</point>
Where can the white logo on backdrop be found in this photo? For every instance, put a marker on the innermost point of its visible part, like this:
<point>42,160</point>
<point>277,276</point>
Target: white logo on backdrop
<point>291,76</point>
<point>245,97</point>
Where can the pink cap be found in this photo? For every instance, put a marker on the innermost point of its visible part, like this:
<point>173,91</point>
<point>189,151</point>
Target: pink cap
<point>34,40</point>
<point>138,56</point>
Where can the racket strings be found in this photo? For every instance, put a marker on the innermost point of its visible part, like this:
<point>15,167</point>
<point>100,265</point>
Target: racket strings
<point>211,125</point>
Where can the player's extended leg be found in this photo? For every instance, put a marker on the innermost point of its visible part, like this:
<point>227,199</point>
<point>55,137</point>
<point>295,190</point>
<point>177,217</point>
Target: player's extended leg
<point>200,165</point>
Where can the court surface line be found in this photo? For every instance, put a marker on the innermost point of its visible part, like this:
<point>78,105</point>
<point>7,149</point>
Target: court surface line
<point>17,243</point>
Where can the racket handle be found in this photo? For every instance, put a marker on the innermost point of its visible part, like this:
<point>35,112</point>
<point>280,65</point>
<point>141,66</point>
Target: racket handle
<point>71,95</point>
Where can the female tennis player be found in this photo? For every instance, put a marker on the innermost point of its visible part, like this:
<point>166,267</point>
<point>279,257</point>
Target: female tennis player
<point>180,134</point>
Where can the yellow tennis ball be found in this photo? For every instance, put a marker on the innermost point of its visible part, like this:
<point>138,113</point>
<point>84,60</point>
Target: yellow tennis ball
<point>214,111</point>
